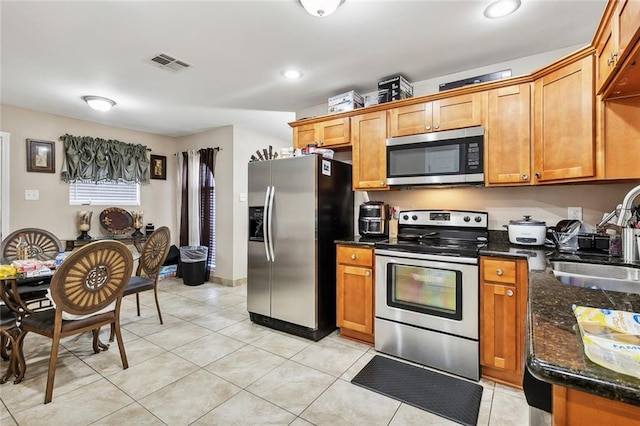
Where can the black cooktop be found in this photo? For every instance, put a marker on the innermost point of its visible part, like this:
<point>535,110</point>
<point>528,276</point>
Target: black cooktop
<point>440,232</point>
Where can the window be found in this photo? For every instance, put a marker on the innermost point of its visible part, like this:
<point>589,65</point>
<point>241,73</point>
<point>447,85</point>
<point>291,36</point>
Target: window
<point>104,193</point>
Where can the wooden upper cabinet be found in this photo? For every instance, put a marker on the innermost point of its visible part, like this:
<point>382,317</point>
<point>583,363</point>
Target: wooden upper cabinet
<point>564,136</point>
<point>615,39</point>
<point>445,114</point>
<point>628,17</point>
<point>508,136</point>
<point>369,155</point>
<point>621,127</point>
<point>606,51</point>
<point>335,132</point>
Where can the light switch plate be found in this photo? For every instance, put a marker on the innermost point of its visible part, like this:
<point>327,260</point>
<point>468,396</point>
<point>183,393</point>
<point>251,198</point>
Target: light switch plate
<point>31,194</point>
<point>574,213</point>
<point>243,197</point>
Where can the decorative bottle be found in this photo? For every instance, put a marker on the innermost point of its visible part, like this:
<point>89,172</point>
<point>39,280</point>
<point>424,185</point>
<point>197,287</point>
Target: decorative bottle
<point>22,248</point>
<point>59,259</point>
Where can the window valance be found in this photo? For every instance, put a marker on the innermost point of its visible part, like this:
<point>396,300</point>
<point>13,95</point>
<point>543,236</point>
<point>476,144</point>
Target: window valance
<point>95,159</point>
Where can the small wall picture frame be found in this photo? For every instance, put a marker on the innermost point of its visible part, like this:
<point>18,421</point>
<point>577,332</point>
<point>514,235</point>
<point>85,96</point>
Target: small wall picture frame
<point>158,167</point>
<point>41,156</point>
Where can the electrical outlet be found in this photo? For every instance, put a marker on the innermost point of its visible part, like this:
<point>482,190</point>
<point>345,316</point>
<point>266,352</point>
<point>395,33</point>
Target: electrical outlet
<point>31,194</point>
<point>574,213</point>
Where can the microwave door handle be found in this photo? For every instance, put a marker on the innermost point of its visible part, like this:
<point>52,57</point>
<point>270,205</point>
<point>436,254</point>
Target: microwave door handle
<point>265,218</point>
<point>270,223</point>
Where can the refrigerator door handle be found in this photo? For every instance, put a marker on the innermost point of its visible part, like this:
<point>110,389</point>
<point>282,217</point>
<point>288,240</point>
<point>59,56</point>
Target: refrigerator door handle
<point>270,223</point>
<point>265,218</point>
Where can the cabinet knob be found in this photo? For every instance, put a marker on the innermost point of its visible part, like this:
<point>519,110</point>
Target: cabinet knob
<point>353,257</point>
<point>319,143</point>
<point>525,176</point>
<point>436,127</point>
<point>499,272</point>
<point>382,183</point>
<point>368,273</point>
<point>509,293</point>
<point>428,127</point>
<point>537,175</point>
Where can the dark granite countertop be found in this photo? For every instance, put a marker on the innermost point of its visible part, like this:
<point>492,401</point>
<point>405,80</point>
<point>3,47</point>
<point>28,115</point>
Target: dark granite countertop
<point>554,349</point>
<point>360,241</point>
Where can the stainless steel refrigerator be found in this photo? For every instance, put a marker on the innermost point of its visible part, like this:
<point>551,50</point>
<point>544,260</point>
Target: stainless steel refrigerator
<point>298,207</point>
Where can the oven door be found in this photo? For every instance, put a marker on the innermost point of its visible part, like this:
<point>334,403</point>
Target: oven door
<point>433,292</point>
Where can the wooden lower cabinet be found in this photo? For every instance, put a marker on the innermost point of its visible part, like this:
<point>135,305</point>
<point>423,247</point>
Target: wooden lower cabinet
<point>355,292</point>
<point>572,407</point>
<point>503,302</point>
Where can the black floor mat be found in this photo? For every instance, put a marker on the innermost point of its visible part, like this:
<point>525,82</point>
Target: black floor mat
<point>446,396</point>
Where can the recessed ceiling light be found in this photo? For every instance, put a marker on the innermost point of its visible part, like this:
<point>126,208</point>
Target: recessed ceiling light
<point>292,74</point>
<point>320,8</point>
<point>501,8</point>
<point>99,103</point>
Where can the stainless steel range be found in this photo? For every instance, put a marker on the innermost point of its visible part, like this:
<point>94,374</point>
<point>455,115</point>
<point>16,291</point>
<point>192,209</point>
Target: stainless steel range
<point>427,290</point>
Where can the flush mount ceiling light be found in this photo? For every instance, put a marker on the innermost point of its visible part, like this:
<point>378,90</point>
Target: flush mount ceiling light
<point>99,103</point>
<point>501,8</point>
<point>292,74</point>
<point>320,8</point>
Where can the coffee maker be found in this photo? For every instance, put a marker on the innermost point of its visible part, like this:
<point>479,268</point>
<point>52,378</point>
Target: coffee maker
<point>373,220</point>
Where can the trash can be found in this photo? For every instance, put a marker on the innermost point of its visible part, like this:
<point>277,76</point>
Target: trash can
<point>193,260</point>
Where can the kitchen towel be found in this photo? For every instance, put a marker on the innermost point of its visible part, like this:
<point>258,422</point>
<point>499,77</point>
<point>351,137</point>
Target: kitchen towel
<point>455,399</point>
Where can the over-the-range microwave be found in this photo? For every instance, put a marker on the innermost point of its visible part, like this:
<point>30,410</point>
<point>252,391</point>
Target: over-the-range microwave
<point>447,157</point>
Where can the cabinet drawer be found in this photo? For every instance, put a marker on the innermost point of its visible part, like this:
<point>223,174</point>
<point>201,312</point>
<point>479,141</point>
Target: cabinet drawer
<point>499,270</point>
<point>355,256</point>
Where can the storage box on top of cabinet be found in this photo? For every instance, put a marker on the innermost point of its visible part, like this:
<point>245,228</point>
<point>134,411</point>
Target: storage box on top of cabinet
<point>394,88</point>
<point>346,101</point>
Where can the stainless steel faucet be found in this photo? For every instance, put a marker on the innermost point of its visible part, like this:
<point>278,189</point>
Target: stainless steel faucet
<point>629,248</point>
<point>625,210</point>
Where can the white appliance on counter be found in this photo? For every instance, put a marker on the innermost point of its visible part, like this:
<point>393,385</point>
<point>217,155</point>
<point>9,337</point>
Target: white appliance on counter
<point>298,207</point>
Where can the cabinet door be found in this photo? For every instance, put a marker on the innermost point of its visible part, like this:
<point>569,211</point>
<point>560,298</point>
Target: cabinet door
<point>606,53</point>
<point>304,135</point>
<point>564,143</point>
<point>410,119</point>
<point>500,342</point>
<point>368,136</point>
<point>355,298</point>
<point>457,112</point>
<point>334,132</point>
<point>621,136</point>
<point>628,23</point>
<point>508,136</point>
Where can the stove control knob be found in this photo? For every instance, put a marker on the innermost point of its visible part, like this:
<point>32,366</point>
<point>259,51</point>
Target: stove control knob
<point>414,217</point>
<point>466,219</point>
<point>405,217</point>
<point>478,219</point>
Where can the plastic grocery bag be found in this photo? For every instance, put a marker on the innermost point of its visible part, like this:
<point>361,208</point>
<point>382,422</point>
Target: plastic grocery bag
<point>611,338</point>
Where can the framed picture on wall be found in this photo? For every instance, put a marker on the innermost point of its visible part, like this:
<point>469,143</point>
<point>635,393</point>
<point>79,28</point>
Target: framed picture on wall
<point>41,156</point>
<point>158,167</point>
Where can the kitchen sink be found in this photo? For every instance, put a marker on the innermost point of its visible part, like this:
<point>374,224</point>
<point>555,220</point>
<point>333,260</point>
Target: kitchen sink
<point>598,277</point>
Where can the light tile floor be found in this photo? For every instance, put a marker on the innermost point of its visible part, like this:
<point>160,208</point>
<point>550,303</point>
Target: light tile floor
<point>209,365</point>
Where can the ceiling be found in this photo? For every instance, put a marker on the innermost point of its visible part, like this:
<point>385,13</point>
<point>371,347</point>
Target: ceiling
<point>55,52</point>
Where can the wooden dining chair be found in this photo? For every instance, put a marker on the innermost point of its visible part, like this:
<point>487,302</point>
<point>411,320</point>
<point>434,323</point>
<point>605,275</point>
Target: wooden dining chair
<point>43,245</point>
<point>87,293</point>
<point>154,253</point>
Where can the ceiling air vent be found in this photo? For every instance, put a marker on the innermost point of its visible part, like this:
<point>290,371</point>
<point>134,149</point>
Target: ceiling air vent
<point>166,61</point>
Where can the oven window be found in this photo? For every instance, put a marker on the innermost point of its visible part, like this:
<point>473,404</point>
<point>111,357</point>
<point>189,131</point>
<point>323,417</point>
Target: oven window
<point>427,290</point>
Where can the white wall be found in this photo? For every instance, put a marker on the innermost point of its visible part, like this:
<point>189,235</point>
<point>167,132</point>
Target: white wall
<point>547,203</point>
<point>52,211</point>
<point>518,67</point>
<point>237,145</point>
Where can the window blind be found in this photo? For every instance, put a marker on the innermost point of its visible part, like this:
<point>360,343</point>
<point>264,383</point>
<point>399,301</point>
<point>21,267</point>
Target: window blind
<point>104,193</point>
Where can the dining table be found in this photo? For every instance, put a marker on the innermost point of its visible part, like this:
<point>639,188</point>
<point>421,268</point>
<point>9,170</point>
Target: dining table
<point>25,293</point>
